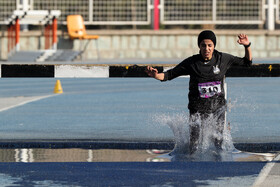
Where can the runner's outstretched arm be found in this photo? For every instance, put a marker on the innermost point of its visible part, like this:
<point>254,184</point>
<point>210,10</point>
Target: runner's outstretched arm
<point>243,40</point>
<point>153,72</point>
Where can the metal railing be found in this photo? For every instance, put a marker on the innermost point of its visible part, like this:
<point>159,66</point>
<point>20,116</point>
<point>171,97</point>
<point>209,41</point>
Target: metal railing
<point>212,12</point>
<point>140,12</point>
<point>6,9</point>
<point>277,7</point>
<point>101,12</point>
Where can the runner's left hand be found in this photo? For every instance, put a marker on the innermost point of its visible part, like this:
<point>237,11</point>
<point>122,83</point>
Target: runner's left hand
<point>243,39</point>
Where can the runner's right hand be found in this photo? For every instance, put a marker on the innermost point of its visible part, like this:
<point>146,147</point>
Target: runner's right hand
<point>152,72</point>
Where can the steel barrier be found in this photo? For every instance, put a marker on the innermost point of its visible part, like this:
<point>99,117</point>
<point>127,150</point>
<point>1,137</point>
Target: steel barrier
<point>101,12</point>
<point>212,12</point>
<point>146,12</point>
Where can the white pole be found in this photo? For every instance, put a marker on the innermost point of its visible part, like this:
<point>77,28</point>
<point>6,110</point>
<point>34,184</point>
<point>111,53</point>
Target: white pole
<point>214,10</point>
<point>90,7</point>
<point>270,16</point>
<point>25,5</point>
<point>25,8</point>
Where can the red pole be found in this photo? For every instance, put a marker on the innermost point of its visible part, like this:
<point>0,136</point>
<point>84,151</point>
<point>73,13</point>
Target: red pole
<point>54,33</point>
<point>17,30</point>
<point>12,37</point>
<point>9,37</point>
<point>47,36</point>
<point>156,15</point>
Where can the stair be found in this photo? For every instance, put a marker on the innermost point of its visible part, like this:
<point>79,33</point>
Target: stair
<point>44,56</point>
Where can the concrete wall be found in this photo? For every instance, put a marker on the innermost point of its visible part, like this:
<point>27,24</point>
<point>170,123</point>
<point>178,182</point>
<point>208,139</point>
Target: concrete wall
<point>128,44</point>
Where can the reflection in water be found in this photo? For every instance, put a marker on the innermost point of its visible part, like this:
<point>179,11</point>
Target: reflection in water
<point>121,155</point>
<point>124,155</point>
<point>81,155</point>
<point>24,155</point>
<point>90,157</point>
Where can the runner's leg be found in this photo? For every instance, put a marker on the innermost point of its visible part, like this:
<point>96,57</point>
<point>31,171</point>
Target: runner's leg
<point>195,120</point>
<point>218,140</point>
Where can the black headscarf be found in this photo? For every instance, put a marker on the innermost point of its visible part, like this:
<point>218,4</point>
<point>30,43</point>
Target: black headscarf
<point>207,34</point>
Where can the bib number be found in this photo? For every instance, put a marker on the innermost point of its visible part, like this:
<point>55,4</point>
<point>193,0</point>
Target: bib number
<point>209,89</point>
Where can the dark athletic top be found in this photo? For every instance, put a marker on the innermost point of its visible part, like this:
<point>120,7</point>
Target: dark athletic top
<point>206,85</point>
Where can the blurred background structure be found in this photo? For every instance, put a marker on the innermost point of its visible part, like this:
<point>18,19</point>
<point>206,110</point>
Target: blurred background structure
<point>190,13</point>
<point>127,27</point>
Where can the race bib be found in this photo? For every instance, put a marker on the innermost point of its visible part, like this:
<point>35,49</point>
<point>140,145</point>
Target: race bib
<point>209,89</point>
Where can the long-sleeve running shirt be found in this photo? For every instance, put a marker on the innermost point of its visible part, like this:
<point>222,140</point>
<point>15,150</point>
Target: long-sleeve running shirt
<point>206,85</point>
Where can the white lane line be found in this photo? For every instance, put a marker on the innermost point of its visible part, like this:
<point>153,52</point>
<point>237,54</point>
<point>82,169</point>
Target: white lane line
<point>265,171</point>
<point>32,99</point>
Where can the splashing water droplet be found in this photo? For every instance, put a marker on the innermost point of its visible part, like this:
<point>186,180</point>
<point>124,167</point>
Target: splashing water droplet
<point>180,123</point>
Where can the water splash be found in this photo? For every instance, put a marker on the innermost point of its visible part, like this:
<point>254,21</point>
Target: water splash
<point>179,123</point>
